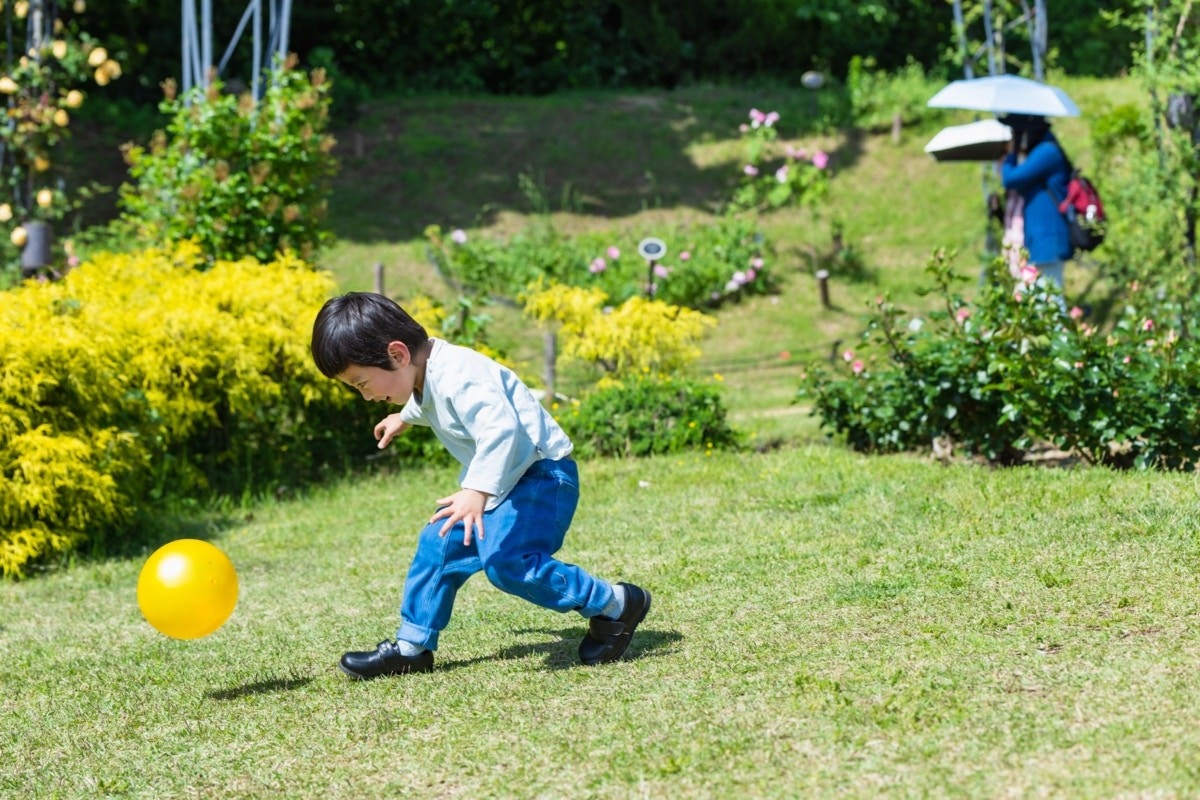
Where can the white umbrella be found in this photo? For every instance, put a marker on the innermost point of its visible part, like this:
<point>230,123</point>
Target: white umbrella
<point>985,140</point>
<point>1006,94</point>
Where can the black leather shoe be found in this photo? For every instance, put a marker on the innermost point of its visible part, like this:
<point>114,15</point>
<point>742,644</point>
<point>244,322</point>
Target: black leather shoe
<point>386,659</point>
<point>606,638</point>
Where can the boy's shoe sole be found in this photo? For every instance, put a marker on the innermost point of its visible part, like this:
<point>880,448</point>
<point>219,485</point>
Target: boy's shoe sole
<point>607,639</point>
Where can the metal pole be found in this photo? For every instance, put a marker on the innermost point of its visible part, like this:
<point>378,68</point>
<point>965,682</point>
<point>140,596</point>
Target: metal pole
<point>988,33</point>
<point>285,17</point>
<point>187,47</point>
<point>823,286</point>
<point>206,57</point>
<point>257,60</point>
<point>550,350</point>
<point>1041,32</point>
<point>961,28</point>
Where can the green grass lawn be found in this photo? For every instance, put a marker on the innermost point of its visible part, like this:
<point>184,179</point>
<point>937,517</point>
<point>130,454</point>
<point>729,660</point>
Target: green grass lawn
<point>824,624</point>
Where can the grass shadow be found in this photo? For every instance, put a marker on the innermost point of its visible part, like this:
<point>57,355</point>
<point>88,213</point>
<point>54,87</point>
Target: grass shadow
<point>455,161</point>
<point>269,686</point>
<point>562,651</point>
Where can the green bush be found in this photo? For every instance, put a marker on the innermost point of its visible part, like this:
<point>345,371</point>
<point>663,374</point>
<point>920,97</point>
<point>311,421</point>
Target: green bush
<point>240,177</point>
<point>774,178</point>
<point>877,96</point>
<point>648,415</point>
<point>705,265</point>
<point>1018,369</point>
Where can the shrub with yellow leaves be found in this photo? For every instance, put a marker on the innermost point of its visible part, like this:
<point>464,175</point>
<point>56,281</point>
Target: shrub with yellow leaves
<point>139,378</point>
<point>642,404</point>
<point>635,336</point>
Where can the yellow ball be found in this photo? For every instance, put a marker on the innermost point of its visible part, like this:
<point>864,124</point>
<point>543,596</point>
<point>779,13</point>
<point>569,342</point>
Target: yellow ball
<point>187,589</point>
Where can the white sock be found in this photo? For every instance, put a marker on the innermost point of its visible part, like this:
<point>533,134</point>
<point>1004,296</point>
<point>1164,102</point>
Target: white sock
<point>409,649</point>
<point>615,606</point>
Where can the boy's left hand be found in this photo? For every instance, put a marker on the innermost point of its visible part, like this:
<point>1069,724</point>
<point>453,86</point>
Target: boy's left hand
<point>465,506</point>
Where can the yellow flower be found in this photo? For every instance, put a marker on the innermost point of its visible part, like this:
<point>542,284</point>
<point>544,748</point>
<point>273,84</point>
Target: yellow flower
<point>102,78</point>
<point>41,164</point>
<point>18,236</point>
<point>45,197</point>
<point>5,212</point>
<point>21,8</point>
<point>79,7</point>
<point>74,98</point>
<point>8,85</point>
<point>97,57</point>
<point>718,377</point>
<point>61,118</point>
<point>59,49</point>
<point>112,68</point>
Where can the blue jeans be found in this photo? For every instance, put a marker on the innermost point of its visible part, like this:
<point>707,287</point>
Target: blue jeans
<point>520,537</point>
<point>1053,270</point>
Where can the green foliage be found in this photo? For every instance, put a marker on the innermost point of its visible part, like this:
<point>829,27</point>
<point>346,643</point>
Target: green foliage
<point>877,96</point>
<point>348,93</point>
<point>771,181</point>
<point>646,415</point>
<point>542,46</point>
<point>1016,370</point>
<point>705,265</point>
<point>1147,164</point>
<point>242,178</point>
<point>43,87</point>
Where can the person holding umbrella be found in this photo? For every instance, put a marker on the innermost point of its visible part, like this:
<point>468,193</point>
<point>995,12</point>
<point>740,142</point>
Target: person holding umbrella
<point>1037,170</point>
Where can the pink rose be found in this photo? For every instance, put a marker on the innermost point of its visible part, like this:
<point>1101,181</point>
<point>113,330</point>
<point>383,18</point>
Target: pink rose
<point>820,159</point>
<point>857,367</point>
<point>613,253</point>
<point>750,170</point>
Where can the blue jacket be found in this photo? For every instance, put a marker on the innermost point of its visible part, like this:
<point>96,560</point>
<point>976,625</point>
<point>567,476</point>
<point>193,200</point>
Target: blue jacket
<point>1046,235</point>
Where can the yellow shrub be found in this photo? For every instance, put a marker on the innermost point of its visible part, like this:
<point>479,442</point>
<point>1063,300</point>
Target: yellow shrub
<point>637,336</point>
<point>139,377</point>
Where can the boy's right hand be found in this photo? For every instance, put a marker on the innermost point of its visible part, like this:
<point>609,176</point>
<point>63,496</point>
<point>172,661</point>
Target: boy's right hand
<point>389,428</point>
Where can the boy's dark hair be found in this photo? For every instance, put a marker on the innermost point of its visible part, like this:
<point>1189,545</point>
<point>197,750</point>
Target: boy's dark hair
<point>356,328</point>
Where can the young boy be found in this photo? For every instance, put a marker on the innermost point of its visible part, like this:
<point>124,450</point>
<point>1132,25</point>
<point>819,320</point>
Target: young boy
<point>519,485</point>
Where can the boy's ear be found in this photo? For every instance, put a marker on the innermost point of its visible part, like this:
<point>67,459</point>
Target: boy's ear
<point>399,353</point>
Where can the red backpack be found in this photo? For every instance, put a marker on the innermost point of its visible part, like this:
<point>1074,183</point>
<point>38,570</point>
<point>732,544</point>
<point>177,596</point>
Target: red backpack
<point>1084,212</point>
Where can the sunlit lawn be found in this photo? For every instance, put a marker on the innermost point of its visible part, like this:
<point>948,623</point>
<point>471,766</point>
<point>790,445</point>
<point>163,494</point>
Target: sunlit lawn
<point>824,624</point>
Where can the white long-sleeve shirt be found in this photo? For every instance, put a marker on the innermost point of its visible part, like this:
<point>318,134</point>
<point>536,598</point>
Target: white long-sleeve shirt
<point>486,417</point>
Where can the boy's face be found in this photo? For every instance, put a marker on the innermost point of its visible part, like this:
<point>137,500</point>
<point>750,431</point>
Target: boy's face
<point>393,386</point>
